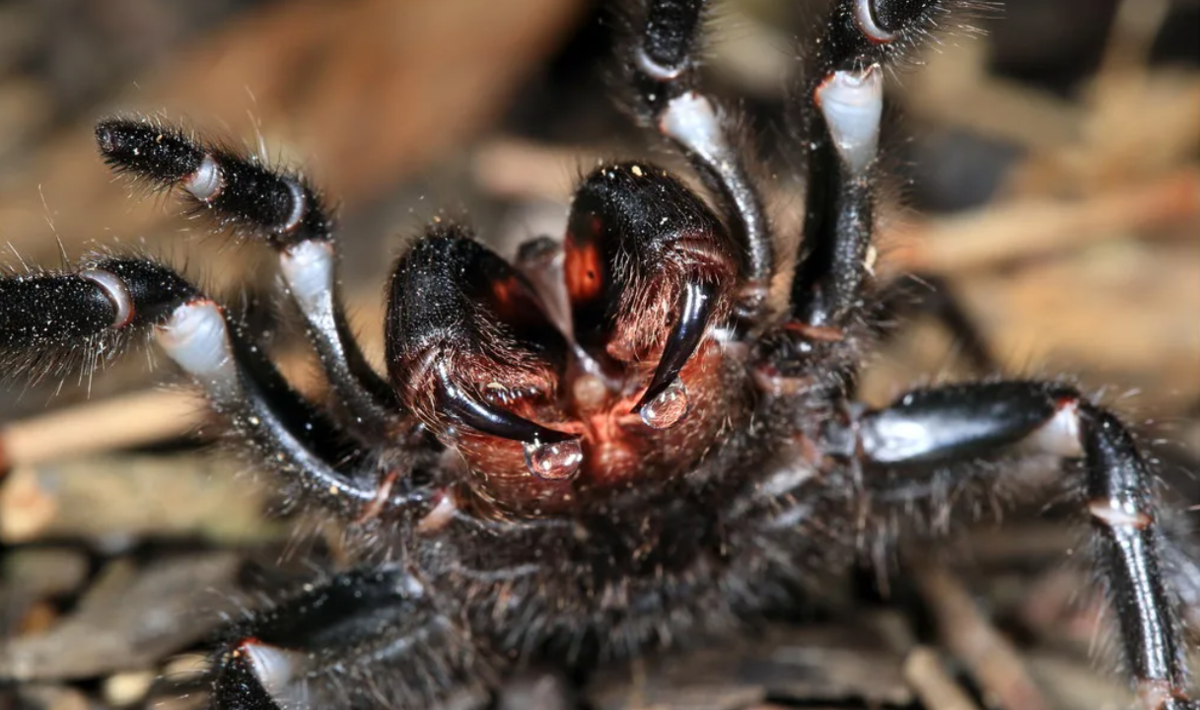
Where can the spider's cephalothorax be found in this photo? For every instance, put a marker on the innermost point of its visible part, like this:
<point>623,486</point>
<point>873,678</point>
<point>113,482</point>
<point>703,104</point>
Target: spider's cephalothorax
<point>639,433</point>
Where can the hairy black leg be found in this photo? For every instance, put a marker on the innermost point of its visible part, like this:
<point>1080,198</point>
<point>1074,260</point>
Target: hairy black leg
<point>365,638</point>
<point>56,322</point>
<point>47,316</point>
<point>938,427</point>
<point>244,195</point>
<point>840,102</point>
<point>662,66</point>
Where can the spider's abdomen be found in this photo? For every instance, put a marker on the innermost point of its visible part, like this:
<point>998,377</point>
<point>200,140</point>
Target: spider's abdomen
<point>588,367</point>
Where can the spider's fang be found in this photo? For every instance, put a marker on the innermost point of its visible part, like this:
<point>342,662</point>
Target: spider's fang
<point>696,304</point>
<point>549,453</point>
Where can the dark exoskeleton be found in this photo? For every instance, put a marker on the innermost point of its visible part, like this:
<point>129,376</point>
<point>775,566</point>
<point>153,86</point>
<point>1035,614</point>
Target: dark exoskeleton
<point>639,434</point>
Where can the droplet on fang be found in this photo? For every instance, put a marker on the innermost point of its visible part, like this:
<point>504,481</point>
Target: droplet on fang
<point>555,461</point>
<point>667,409</point>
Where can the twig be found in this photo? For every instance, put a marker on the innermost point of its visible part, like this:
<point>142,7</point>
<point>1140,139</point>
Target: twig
<point>1032,228</point>
<point>120,422</point>
<point>967,633</point>
<point>923,671</point>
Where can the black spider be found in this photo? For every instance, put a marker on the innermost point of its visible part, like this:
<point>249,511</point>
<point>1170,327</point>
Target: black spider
<point>638,435</point>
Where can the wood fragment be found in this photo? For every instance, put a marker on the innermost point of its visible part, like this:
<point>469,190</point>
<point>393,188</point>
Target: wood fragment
<point>992,660</point>
<point>1032,228</point>
<point>923,671</point>
<point>145,616</point>
<point>120,422</point>
<point>126,497</point>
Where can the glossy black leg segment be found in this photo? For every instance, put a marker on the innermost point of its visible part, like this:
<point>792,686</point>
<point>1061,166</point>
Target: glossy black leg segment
<point>661,66</point>
<point>839,104</point>
<point>242,194</point>
<point>363,639</point>
<point>237,192</point>
<point>933,428</point>
<point>313,459</point>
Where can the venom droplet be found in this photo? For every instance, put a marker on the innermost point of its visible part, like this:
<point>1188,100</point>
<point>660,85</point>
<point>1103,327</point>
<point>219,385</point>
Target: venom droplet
<point>667,409</point>
<point>556,461</point>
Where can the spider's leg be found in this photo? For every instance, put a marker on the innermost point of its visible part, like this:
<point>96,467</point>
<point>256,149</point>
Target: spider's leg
<point>242,194</point>
<point>840,105</point>
<point>49,314</point>
<point>661,65</point>
<point>366,638</point>
<point>927,430</point>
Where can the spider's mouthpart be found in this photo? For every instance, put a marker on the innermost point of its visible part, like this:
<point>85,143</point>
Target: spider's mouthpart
<point>473,354</point>
<point>684,262</point>
<point>665,401</point>
<point>481,416</point>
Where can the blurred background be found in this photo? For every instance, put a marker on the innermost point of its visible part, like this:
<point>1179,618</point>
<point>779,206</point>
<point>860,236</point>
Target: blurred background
<point>1047,172</point>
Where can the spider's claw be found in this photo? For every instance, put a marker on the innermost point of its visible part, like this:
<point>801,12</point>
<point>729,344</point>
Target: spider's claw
<point>696,306</point>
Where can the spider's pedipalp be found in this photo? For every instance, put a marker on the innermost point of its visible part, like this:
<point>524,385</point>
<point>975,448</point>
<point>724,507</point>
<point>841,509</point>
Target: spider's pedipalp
<point>55,322</point>
<point>309,454</point>
<point>367,406</point>
<point>238,193</point>
<point>240,381</point>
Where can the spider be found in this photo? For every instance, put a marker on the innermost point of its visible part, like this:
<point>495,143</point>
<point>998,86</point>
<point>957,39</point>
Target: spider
<point>642,434</point>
